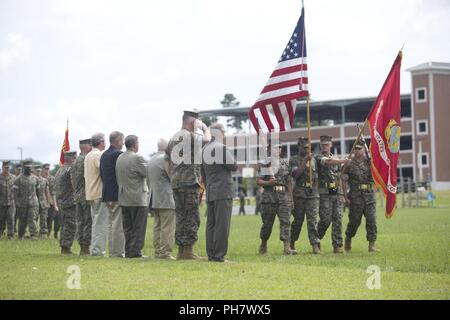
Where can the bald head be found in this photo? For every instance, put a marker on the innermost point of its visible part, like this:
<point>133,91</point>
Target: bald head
<point>162,144</point>
<point>217,131</point>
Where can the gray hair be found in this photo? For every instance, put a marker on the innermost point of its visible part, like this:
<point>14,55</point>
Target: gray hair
<point>130,141</point>
<point>97,139</point>
<point>113,136</point>
<point>217,126</point>
<point>162,144</point>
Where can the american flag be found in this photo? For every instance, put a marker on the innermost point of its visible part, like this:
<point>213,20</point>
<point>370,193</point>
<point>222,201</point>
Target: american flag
<point>275,107</point>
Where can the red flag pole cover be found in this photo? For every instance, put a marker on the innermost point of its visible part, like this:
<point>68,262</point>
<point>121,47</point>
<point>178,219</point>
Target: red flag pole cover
<point>66,146</point>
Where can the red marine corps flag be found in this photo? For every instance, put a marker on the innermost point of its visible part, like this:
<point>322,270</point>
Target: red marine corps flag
<point>66,146</point>
<point>384,121</point>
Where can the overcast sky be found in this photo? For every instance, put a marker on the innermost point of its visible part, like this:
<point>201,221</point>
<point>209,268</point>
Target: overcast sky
<point>133,66</point>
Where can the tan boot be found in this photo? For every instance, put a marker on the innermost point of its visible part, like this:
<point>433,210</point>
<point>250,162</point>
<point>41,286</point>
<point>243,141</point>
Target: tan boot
<point>338,249</point>
<point>84,251</point>
<point>292,247</point>
<point>180,253</point>
<point>65,250</point>
<point>263,248</point>
<point>372,247</point>
<point>188,254</point>
<point>348,244</point>
<point>316,248</point>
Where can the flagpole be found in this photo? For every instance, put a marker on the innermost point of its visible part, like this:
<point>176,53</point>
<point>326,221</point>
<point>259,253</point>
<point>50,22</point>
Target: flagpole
<point>358,138</point>
<point>308,114</point>
<point>308,122</point>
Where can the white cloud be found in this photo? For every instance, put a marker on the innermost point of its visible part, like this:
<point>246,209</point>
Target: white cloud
<point>17,49</point>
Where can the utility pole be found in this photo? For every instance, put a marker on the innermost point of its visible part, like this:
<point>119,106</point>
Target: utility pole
<point>21,153</point>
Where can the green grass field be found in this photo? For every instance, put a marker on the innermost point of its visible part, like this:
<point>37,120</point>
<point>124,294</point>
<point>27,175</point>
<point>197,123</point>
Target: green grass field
<point>413,259</point>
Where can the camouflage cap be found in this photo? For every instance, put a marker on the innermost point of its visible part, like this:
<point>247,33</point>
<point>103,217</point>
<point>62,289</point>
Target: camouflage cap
<point>191,114</point>
<point>37,167</point>
<point>86,141</point>
<point>325,139</point>
<point>18,165</point>
<point>360,142</point>
<point>46,166</point>
<point>6,163</point>
<point>303,142</point>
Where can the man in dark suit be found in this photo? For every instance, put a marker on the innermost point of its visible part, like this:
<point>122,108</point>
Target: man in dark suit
<point>111,214</point>
<point>131,175</point>
<point>218,163</point>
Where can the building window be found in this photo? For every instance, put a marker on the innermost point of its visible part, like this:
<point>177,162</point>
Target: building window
<point>406,172</point>
<point>423,160</point>
<point>406,142</point>
<point>405,108</point>
<point>421,95</point>
<point>422,127</point>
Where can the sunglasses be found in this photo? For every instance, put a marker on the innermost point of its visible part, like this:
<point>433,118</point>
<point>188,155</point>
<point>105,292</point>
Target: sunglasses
<point>358,148</point>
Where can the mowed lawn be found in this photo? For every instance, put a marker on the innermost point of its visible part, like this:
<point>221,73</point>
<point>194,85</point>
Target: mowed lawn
<point>413,259</point>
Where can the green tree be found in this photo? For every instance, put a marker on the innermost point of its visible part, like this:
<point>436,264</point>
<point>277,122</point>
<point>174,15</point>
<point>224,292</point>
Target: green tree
<point>209,120</point>
<point>55,169</point>
<point>229,101</point>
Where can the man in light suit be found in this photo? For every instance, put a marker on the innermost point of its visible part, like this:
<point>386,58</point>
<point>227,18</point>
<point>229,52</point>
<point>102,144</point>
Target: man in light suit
<point>162,203</point>
<point>131,173</point>
<point>218,163</point>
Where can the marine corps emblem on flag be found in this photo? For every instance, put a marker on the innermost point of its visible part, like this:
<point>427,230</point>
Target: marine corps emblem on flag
<point>392,134</point>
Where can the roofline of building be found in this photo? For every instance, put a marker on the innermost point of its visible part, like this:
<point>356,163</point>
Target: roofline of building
<point>430,66</point>
<point>338,102</point>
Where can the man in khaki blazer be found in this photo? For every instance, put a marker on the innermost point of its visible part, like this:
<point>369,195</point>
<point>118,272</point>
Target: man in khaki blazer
<point>131,175</point>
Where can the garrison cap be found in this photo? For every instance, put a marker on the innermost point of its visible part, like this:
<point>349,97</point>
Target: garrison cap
<point>191,114</point>
<point>303,141</point>
<point>6,163</point>
<point>28,163</point>
<point>325,139</point>
<point>86,141</point>
<point>69,154</point>
<point>46,166</point>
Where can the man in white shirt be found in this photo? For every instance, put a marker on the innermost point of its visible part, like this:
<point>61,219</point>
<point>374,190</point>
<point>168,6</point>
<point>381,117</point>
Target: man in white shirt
<point>94,186</point>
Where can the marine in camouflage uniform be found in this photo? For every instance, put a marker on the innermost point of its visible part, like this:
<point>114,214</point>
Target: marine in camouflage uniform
<point>53,214</point>
<point>43,198</point>
<point>306,196</point>
<point>258,201</point>
<point>17,172</point>
<point>83,208</point>
<point>276,200</point>
<point>26,187</point>
<point>66,203</point>
<point>7,207</point>
<point>184,157</point>
<point>331,198</point>
<point>358,176</point>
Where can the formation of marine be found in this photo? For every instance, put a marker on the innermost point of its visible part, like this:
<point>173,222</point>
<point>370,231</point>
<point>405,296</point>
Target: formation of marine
<point>315,186</point>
